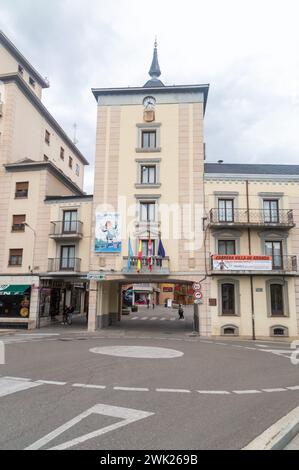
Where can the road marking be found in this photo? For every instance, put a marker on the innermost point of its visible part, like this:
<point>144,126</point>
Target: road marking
<point>154,318</point>
<point>172,390</point>
<point>296,387</point>
<point>246,392</point>
<point>213,392</point>
<point>21,379</point>
<point>262,345</point>
<point>37,334</point>
<point>163,319</point>
<point>134,318</point>
<point>127,416</point>
<point>144,318</point>
<point>50,382</point>
<point>131,389</point>
<point>270,390</point>
<point>141,352</point>
<point>8,386</point>
<point>99,387</point>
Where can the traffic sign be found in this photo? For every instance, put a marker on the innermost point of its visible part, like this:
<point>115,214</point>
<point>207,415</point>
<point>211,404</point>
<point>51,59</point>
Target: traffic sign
<point>96,277</point>
<point>198,295</point>
<point>196,286</point>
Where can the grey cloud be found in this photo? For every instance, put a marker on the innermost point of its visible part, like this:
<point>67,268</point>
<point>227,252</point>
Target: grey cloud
<point>252,113</point>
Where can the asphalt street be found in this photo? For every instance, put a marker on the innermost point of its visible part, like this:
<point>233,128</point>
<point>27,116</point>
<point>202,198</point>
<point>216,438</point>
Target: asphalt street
<point>154,386</point>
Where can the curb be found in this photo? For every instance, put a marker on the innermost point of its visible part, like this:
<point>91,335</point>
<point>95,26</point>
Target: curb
<point>279,435</point>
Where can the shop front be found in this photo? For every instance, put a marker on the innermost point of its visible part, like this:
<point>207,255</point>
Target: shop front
<point>58,294</point>
<point>15,301</point>
<point>18,301</point>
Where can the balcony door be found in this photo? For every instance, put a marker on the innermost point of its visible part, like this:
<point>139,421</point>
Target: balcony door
<point>70,219</point>
<point>145,248</point>
<point>226,247</point>
<point>67,258</point>
<point>226,210</point>
<point>274,249</point>
<point>271,211</point>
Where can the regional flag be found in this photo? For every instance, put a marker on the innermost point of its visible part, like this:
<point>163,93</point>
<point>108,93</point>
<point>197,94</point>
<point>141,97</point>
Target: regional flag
<point>139,257</point>
<point>150,255</point>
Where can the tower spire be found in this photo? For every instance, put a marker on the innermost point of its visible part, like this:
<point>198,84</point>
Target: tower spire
<point>155,70</point>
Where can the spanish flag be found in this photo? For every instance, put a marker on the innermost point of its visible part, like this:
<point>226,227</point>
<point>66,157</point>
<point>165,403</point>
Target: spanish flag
<point>139,257</point>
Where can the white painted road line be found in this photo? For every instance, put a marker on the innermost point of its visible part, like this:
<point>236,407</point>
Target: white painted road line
<point>295,387</point>
<point>154,318</point>
<point>131,389</point>
<point>9,386</point>
<point>126,415</point>
<point>270,390</point>
<point>163,319</point>
<point>50,382</point>
<point>134,318</point>
<point>213,392</point>
<point>246,392</point>
<point>144,318</point>
<point>21,379</point>
<point>96,387</point>
<point>172,390</point>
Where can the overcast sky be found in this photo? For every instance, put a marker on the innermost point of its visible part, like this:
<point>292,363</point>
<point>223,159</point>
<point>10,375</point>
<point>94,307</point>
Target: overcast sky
<point>247,50</point>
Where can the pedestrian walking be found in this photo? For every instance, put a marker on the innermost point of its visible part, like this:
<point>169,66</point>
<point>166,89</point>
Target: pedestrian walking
<point>181,312</point>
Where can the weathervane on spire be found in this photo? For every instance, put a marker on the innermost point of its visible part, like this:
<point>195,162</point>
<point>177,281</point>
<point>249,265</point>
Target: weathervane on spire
<point>155,70</point>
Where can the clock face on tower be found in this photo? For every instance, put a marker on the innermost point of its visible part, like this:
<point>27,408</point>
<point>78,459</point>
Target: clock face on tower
<point>149,102</point>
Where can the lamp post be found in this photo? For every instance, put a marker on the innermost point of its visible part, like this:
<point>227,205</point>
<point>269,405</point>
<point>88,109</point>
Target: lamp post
<point>32,270</point>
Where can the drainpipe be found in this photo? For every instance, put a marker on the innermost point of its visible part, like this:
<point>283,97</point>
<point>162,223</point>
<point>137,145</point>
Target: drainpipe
<point>251,276</point>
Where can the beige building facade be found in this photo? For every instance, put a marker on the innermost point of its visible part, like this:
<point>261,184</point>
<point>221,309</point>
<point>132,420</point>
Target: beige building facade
<point>161,217</point>
<point>253,248</point>
<point>37,162</point>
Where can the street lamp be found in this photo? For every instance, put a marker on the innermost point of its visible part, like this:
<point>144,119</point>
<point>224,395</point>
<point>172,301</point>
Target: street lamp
<point>34,233</point>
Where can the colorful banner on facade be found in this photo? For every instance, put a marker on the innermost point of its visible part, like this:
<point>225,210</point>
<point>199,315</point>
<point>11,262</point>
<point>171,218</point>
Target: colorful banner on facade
<point>242,263</point>
<point>108,233</point>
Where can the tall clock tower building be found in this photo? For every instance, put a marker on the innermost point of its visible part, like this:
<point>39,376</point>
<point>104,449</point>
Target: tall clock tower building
<point>148,191</point>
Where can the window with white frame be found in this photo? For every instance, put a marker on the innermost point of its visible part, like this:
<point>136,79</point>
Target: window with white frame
<point>148,174</point>
<point>147,211</point>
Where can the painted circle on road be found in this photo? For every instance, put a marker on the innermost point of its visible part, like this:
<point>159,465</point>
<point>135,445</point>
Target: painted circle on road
<point>140,352</point>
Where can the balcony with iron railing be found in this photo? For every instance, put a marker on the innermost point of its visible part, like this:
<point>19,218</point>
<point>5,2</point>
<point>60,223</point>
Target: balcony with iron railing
<point>282,218</point>
<point>237,264</point>
<point>63,265</point>
<point>160,266</point>
<point>68,230</point>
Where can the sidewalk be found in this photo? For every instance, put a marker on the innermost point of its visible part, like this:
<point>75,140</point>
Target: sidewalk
<point>294,444</point>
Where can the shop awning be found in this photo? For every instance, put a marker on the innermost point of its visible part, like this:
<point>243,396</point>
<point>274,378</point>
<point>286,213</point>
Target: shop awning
<point>13,289</point>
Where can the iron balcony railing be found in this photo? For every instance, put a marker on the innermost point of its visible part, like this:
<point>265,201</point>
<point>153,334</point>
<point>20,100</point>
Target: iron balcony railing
<point>64,264</point>
<point>67,229</point>
<point>18,227</point>
<point>159,265</point>
<point>251,217</point>
<point>279,263</point>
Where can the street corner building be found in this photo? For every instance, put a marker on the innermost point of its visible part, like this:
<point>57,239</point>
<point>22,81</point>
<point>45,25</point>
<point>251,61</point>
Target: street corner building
<point>44,213</point>
<point>161,217</point>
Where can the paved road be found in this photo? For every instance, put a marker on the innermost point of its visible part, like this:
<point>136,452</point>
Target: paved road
<point>208,394</point>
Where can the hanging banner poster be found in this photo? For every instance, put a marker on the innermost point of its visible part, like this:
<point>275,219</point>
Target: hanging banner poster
<point>242,263</point>
<point>108,233</point>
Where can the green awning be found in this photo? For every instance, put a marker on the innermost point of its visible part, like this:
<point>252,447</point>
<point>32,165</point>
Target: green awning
<point>13,289</point>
